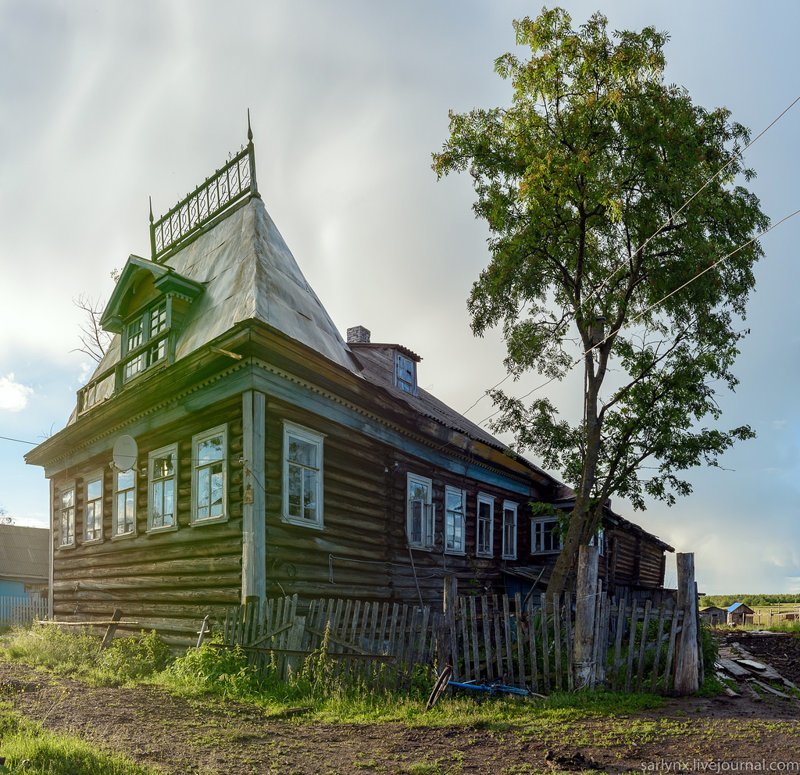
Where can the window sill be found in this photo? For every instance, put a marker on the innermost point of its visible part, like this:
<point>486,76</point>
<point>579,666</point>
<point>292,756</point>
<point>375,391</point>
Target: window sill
<point>547,551</point>
<point>209,521</point>
<point>165,529</point>
<point>508,556</point>
<point>421,547</point>
<point>484,555</point>
<point>66,546</point>
<point>124,536</point>
<point>92,541</point>
<point>455,552</point>
<point>302,523</point>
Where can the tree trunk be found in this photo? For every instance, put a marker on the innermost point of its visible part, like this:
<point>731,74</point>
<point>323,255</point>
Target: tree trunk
<point>563,576</point>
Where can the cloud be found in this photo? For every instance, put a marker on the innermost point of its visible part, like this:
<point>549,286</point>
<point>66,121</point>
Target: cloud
<point>13,395</point>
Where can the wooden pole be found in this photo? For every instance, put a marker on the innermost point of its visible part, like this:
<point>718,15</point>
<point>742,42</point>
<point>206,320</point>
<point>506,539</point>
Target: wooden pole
<point>687,660</point>
<point>112,628</point>
<point>449,602</point>
<point>585,604</point>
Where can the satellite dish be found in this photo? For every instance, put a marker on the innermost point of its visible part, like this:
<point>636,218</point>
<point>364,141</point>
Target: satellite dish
<point>125,453</point>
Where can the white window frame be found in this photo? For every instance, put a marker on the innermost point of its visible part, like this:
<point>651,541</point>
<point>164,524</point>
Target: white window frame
<point>317,440</point>
<point>455,491</point>
<point>115,534</point>
<point>197,439</point>
<point>94,477</point>
<point>489,500</point>
<point>535,533</point>
<point>427,515</point>
<point>153,479</point>
<point>509,552</point>
<point>63,511</point>
<point>598,539</point>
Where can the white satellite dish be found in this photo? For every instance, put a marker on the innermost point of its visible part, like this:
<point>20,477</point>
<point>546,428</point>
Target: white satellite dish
<point>125,453</point>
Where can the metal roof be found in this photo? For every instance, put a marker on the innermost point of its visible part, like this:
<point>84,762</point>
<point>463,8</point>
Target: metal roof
<point>23,553</point>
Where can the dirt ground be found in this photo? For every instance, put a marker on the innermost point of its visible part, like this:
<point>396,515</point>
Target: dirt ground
<point>189,736</point>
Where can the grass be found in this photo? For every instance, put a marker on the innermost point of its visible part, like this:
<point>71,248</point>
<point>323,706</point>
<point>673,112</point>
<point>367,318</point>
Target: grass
<point>29,748</point>
<point>218,675</point>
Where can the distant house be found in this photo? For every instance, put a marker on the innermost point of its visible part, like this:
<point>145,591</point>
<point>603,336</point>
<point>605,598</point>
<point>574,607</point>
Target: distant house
<point>713,616</point>
<point>739,613</point>
<point>273,456</point>
<point>23,560</point>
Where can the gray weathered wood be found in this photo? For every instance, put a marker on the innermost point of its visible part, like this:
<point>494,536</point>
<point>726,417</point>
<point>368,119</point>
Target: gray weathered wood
<point>687,663</point>
<point>112,628</point>
<point>253,503</point>
<point>557,683</point>
<point>545,647</point>
<point>585,608</point>
<point>631,645</point>
<point>643,644</point>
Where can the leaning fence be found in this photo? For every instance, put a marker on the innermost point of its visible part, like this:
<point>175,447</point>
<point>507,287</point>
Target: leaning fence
<point>21,611</point>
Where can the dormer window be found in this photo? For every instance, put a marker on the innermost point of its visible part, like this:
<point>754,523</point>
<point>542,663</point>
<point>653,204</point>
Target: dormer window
<point>145,340</point>
<point>405,373</point>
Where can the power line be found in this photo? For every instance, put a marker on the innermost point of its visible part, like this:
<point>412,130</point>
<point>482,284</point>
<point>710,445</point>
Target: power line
<point>655,304</point>
<point>686,203</point>
<point>21,441</point>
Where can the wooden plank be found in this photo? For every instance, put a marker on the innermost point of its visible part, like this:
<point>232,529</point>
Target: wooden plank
<point>659,642</point>
<point>112,628</point>
<point>557,676</point>
<point>509,645</point>
<point>668,677</point>
<point>487,644</point>
<point>631,645</point>
<point>737,671</point>
<point>643,645</point>
<point>532,645</point>
<point>568,632</point>
<point>520,639</point>
<point>498,638</point>
<point>476,657</point>
<point>620,628</point>
<point>545,646</point>
<point>465,629</point>
<point>597,637</point>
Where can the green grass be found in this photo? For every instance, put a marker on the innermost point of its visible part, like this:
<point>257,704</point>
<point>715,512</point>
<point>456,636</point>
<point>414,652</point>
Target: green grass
<point>30,749</point>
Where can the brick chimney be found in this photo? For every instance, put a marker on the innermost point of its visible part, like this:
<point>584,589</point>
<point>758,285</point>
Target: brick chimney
<point>358,335</point>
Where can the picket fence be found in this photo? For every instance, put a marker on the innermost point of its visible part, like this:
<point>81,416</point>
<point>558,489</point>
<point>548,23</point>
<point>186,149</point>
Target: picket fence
<point>523,642</point>
<point>21,611</point>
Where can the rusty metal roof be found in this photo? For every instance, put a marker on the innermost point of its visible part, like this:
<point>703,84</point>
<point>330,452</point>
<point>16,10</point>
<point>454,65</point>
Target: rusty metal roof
<point>23,553</point>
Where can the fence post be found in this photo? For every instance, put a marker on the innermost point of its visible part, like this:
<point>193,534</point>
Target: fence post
<point>449,602</point>
<point>585,607</point>
<point>687,660</point>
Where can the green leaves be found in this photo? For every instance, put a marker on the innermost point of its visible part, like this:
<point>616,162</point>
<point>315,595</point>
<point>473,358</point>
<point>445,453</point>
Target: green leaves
<point>582,181</point>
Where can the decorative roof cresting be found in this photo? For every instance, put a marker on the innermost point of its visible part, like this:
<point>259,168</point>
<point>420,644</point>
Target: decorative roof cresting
<point>235,181</point>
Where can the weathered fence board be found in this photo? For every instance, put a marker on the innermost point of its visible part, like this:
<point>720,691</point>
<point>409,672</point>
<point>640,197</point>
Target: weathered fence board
<point>21,611</point>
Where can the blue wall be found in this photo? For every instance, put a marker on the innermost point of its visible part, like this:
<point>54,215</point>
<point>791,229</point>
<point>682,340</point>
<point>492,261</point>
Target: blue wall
<point>12,589</point>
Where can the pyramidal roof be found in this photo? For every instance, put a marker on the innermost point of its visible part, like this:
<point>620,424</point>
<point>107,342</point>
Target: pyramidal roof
<point>249,273</point>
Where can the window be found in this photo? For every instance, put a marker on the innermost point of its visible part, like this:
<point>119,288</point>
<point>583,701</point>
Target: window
<point>162,469</point>
<point>598,540</point>
<point>509,530</point>
<point>124,504</point>
<point>145,340</point>
<point>454,502</point>
<point>420,518</point>
<point>93,520</point>
<point>67,517</point>
<point>405,373</point>
<point>302,476</point>
<point>484,534</point>
<point>209,466</point>
<point>545,536</point>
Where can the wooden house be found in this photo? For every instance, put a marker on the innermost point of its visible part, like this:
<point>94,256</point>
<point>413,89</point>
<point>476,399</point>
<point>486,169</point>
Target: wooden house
<point>739,614</point>
<point>713,616</point>
<point>23,560</point>
<point>272,455</point>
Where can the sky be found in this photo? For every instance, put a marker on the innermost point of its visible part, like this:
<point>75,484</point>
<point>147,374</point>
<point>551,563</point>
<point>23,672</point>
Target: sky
<point>103,104</point>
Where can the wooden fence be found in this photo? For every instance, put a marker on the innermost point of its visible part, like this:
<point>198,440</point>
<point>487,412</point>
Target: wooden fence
<point>527,642</point>
<point>21,611</point>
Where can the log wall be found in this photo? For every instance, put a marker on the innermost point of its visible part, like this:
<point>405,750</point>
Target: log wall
<point>169,580</point>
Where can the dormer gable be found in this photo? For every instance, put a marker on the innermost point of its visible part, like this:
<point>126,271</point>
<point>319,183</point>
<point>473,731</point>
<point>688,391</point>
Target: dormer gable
<point>398,363</point>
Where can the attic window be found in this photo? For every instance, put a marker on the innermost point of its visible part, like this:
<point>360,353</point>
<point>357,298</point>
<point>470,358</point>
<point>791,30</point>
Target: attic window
<point>405,373</point>
<point>145,339</point>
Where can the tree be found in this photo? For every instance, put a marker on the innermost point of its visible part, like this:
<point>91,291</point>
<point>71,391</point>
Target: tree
<point>94,340</point>
<point>582,181</point>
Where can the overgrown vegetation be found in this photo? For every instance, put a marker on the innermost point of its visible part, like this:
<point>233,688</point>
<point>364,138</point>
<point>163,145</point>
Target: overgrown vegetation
<point>30,749</point>
<point>723,601</point>
<point>78,653</point>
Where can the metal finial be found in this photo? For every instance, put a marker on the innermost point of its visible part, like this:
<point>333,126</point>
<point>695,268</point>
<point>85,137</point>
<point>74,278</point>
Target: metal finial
<point>249,130</point>
<point>150,198</point>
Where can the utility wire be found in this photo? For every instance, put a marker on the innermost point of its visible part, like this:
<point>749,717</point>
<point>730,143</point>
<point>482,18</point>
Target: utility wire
<point>21,441</point>
<point>738,154</point>
<point>655,304</point>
